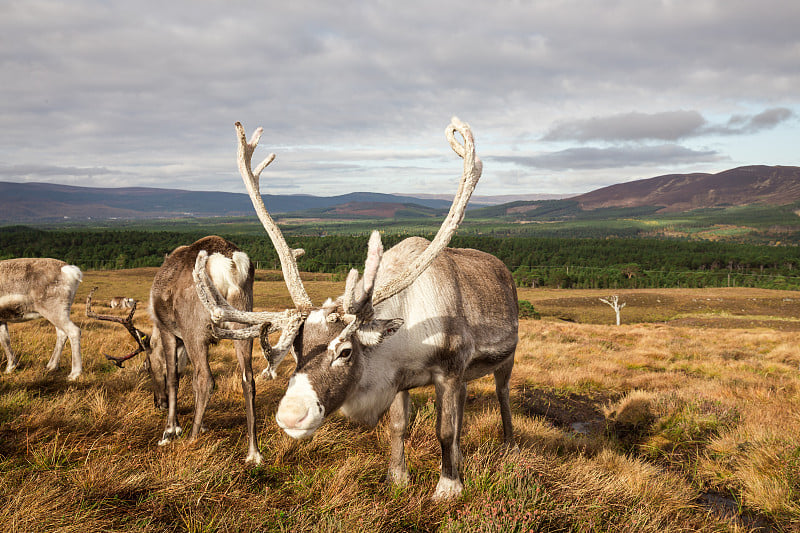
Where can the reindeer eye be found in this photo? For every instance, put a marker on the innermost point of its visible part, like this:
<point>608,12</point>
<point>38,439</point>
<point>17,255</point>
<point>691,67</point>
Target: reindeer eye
<point>345,354</point>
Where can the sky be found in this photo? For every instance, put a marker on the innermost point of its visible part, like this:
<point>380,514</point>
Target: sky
<point>563,97</point>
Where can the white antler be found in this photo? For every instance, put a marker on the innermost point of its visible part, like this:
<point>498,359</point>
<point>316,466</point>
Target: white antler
<point>469,179</point>
<point>287,256</point>
<point>262,323</point>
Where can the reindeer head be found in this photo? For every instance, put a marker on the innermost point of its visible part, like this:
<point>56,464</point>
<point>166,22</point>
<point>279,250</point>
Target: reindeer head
<point>331,349</point>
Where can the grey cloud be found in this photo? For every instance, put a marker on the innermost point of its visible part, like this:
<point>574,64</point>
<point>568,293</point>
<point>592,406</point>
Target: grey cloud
<point>599,158</point>
<point>665,126</point>
<point>747,124</point>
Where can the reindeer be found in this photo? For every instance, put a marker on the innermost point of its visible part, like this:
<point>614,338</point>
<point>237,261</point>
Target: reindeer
<point>34,288</point>
<point>421,314</point>
<point>182,329</point>
<point>120,302</point>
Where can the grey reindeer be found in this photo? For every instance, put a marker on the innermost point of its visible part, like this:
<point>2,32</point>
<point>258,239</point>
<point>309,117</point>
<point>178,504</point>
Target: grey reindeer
<point>36,288</point>
<point>421,314</point>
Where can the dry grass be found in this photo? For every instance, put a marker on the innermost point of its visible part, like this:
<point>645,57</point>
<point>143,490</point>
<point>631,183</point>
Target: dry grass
<point>643,427</point>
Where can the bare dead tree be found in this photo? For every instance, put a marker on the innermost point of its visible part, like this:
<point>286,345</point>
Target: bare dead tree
<point>613,301</point>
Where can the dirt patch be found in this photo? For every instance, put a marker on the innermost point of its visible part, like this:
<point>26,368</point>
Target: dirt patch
<point>735,323</point>
<point>565,409</point>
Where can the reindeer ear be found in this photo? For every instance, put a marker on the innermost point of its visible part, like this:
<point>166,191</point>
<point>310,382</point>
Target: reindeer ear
<point>375,331</point>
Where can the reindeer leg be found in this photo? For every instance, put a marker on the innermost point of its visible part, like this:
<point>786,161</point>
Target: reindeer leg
<point>398,424</point>
<point>168,351</point>
<point>55,359</point>
<point>501,378</point>
<point>74,334</point>
<point>65,329</point>
<point>244,353</point>
<point>202,381</point>
<point>5,340</point>
<point>450,396</point>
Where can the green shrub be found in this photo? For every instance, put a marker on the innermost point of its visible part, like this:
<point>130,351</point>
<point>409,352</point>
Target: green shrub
<point>526,310</point>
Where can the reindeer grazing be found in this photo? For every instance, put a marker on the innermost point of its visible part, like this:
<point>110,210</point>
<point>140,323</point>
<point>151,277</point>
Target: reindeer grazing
<point>421,314</point>
<point>120,302</point>
<point>182,328</point>
<point>34,288</point>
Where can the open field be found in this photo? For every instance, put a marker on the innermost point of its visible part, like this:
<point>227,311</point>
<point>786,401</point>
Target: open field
<point>684,418</point>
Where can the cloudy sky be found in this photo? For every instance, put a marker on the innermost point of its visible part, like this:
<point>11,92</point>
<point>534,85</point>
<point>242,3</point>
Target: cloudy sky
<point>562,96</point>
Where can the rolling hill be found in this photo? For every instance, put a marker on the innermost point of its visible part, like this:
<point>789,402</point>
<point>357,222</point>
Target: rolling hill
<point>672,193</point>
<point>43,202</point>
<point>761,184</point>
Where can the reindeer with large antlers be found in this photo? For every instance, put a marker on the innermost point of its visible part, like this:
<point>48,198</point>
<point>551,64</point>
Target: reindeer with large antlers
<point>421,314</point>
<point>182,329</point>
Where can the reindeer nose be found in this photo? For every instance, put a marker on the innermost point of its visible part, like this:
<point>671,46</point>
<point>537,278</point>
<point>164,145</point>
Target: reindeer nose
<point>290,414</point>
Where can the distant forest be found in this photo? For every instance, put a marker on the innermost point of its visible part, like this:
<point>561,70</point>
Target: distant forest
<point>535,261</point>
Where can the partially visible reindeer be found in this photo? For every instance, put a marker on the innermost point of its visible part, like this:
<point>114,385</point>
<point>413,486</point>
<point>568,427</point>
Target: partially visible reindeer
<point>421,314</point>
<point>120,302</point>
<point>34,288</point>
<point>182,328</point>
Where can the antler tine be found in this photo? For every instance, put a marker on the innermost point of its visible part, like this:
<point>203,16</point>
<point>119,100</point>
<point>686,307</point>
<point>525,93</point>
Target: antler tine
<point>361,304</point>
<point>349,298</point>
<point>291,274</point>
<point>473,167</point>
<point>142,339</point>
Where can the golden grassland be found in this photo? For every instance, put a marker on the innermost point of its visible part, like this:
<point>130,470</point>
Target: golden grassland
<point>684,418</point>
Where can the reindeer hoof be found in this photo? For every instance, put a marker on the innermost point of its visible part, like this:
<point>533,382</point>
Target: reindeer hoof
<point>398,477</point>
<point>254,457</point>
<point>511,449</point>
<point>170,435</point>
<point>10,369</point>
<point>73,376</point>
<point>447,489</point>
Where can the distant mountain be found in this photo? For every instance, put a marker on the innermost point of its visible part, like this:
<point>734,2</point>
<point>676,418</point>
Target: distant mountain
<point>483,200</point>
<point>771,185</point>
<point>758,184</point>
<point>369,210</point>
<point>42,202</point>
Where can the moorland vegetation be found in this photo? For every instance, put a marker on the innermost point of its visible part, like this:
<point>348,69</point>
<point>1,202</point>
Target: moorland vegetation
<point>684,418</point>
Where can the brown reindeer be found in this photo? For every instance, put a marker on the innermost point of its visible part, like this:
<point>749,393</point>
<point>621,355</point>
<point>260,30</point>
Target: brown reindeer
<point>421,314</point>
<point>182,329</point>
<point>34,288</point>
